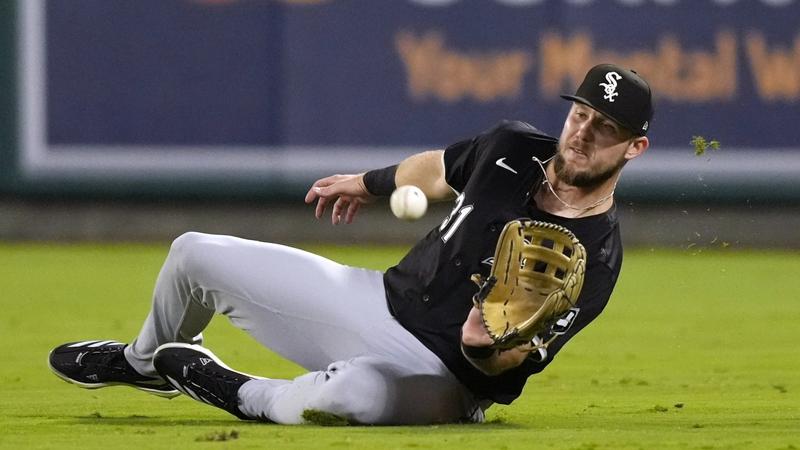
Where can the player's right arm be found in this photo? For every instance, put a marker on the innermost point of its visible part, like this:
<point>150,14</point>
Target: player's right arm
<point>348,192</point>
<point>426,171</point>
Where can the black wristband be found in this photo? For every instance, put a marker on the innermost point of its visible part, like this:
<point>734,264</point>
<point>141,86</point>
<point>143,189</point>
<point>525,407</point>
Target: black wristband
<point>380,182</point>
<point>477,352</point>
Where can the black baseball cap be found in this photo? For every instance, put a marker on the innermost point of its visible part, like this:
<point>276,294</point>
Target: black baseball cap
<point>620,94</point>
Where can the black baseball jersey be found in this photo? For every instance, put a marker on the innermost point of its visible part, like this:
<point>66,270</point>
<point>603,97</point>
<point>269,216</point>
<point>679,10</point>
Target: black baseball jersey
<point>430,291</point>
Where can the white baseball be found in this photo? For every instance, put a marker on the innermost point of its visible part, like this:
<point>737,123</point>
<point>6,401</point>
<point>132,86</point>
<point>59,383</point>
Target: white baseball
<point>408,202</point>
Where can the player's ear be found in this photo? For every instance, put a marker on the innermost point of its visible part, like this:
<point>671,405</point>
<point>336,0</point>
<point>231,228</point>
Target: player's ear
<point>636,147</point>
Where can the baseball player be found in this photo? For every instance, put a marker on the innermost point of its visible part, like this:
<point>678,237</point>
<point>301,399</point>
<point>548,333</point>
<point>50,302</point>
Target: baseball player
<point>406,346</point>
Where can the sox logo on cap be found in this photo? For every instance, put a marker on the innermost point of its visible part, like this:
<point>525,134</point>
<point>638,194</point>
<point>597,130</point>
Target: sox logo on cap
<point>611,86</point>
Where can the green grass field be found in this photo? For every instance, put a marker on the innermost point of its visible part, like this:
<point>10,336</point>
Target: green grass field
<point>696,350</point>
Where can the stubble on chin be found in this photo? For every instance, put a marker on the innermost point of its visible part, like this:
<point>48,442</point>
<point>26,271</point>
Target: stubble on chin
<point>585,178</point>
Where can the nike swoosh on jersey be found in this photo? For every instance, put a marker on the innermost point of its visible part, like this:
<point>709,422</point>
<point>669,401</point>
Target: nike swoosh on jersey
<point>501,162</point>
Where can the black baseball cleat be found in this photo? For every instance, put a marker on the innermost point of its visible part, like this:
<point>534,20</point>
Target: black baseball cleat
<point>198,373</point>
<point>96,364</point>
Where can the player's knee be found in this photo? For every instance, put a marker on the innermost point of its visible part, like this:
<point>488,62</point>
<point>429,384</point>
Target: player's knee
<point>186,241</point>
<point>189,249</point>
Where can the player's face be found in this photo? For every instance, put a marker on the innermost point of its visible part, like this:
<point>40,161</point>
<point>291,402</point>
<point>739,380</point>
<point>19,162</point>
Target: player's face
<point>592,149</point>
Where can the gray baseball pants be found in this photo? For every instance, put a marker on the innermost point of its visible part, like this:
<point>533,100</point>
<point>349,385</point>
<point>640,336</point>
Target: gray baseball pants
<point>329,318</point>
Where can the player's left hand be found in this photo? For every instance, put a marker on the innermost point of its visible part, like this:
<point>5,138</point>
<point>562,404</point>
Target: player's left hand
<point>473,332</point>
<point>346,192</point>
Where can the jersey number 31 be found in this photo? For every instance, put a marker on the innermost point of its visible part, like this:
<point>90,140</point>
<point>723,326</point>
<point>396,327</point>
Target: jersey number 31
<point>455,218</point>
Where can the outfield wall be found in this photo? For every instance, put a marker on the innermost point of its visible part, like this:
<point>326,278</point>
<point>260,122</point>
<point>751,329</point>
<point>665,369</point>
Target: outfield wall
<point>257,98</point>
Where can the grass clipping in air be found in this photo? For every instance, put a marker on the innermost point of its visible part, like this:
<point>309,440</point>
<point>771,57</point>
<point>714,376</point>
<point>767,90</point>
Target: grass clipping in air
<point>701,144</point>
